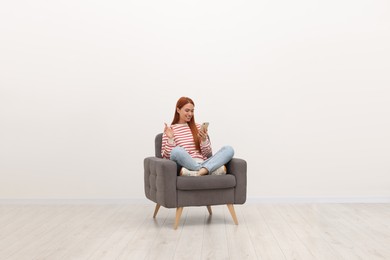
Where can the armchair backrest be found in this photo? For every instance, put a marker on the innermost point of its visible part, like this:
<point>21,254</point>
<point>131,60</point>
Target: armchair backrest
<point>157,145</point>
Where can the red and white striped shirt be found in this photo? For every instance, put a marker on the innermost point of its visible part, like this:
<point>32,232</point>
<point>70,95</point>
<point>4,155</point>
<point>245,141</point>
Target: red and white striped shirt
<point>183,137</point>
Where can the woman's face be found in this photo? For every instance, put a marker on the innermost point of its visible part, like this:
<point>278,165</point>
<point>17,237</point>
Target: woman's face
<point>186,113</point>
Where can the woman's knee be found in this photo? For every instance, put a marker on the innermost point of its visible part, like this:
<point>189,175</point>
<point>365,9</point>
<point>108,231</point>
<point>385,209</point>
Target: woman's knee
<point>228,150</point>
<point>176,151</point>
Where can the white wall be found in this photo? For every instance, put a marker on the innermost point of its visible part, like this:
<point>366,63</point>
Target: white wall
<point>301,89</point>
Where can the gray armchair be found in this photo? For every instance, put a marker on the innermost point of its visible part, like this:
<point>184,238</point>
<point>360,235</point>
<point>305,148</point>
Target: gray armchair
<point>164,187</point>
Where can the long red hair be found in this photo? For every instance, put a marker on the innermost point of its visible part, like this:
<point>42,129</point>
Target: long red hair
<point>179,104</point>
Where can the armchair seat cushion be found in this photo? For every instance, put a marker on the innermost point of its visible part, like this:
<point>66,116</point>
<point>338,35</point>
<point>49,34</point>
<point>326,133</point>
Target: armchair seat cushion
<point>208,182</point>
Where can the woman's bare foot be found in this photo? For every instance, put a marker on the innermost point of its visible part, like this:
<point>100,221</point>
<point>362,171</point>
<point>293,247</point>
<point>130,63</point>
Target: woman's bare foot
<point>203,171</point>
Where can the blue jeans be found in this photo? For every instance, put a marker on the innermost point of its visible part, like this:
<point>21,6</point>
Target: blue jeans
<point>182,157</point>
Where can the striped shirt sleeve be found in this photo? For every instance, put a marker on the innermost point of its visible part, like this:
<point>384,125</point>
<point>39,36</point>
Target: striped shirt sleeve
<point>205,148</point>
<point>167,146</point>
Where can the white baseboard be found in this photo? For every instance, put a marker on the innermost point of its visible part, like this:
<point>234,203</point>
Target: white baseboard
<point>318,199</point>
<point>74,201</point>
<point>250,200</point>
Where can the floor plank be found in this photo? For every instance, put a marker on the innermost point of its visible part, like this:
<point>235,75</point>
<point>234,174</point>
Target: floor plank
<point>290,244</point>
<point>139,245</point>
<point>55,238</point>
<point>215,244</point>
<point>309,234</point>
<point>264,242</point>
<point>239,243</point>
<point>126,229</point>
<point>190,242</point>
<point>332,230</point>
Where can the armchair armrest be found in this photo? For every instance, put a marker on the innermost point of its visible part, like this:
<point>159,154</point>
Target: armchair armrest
<point>238,168</point>
<point>160,181</point>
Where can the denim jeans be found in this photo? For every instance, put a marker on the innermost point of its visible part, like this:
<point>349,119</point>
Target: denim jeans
<point>181,157</point>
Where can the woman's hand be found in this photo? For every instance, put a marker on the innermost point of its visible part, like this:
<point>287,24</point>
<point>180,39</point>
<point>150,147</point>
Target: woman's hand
<point>168,131</point>
<point>203,135</point>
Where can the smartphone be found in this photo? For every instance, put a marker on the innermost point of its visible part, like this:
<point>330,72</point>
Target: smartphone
<point>204,126</point>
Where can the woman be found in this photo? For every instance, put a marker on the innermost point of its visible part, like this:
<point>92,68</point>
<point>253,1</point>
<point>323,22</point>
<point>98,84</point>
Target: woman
<point>186,143</point>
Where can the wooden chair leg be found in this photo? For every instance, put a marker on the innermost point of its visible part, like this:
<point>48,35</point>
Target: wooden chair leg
<point>209,209</point>
<point>233,213</point>
<point>178,215</point>
<point>156,210</point>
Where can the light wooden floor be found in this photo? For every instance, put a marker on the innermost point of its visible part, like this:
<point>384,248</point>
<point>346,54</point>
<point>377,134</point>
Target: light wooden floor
<point>265,231</point>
